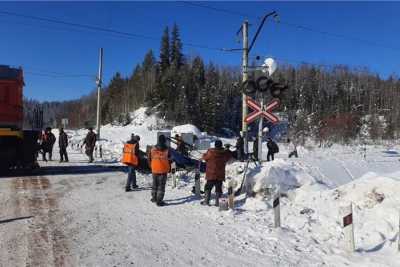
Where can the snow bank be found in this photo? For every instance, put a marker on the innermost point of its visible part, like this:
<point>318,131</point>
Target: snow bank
<point>279,173</point>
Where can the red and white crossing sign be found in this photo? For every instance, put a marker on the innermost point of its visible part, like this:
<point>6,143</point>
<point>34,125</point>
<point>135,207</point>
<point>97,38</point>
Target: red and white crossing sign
<point>261,111</point>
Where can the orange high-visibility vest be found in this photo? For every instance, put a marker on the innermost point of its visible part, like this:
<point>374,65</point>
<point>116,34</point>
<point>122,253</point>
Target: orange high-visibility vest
<point>159,161</point>
<point>128,155</point>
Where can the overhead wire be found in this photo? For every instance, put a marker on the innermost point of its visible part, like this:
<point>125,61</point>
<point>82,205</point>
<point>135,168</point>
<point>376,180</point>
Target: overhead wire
<point>52,75</point>
<point>102,29</point>
<point>297,26</point>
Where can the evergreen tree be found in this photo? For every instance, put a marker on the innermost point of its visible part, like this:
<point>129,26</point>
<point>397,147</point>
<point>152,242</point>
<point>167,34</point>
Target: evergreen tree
<point>176,48</point>
<point>165,51</point>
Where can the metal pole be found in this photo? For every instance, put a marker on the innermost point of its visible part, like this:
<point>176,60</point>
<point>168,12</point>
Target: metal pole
<point>245,78</point>
<point>99,81</point>
<point>260,128</point>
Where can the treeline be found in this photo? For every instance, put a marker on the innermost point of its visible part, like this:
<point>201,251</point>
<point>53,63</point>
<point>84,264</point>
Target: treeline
<point>335,104</point>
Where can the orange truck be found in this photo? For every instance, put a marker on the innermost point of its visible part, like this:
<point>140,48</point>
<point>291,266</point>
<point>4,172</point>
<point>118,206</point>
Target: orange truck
<point>18,147</point>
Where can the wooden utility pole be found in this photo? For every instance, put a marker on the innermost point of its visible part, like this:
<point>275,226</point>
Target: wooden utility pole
<point>98,82</point>
<point>245,63</point>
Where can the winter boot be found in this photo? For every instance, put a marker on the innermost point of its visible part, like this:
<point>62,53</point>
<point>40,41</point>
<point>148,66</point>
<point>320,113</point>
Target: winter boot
<point>217,197</point>
<point>206,200</point>
<point>161,203</point>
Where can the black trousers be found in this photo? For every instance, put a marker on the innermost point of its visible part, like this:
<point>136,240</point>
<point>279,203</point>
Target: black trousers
<point>63,154</point>
<point>89,153</point>
<point>44,154</point>
<point>293,153</point>
<point>158,188</point>
<point>210,184</point>
<point>270,156</point>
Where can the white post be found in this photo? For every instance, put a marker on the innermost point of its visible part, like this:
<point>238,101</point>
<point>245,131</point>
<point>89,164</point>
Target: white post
<point>231,196</point>
<point>277,209</point>
<point>173,171</point>
<point>347,224</point>
<point>99,81</point>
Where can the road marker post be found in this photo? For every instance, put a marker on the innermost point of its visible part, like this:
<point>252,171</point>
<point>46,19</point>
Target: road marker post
<point>348,228</point>
<point>173,172</point>
<point>277,209</point>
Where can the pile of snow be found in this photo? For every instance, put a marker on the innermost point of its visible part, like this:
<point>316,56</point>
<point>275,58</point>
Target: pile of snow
<point>186,128</point>
<point>139,116</point>
<point>282,174</point>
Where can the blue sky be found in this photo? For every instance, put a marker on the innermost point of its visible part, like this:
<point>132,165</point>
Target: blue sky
<point>51,53</point>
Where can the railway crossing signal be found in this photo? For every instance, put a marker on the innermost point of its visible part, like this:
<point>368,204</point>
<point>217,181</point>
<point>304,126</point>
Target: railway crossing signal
<point>263,111</point>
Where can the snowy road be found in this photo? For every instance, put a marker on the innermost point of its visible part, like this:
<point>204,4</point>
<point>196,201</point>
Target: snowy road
<point>76,214</point>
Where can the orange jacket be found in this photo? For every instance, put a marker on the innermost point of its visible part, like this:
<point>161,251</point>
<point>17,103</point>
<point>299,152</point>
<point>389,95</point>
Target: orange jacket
<point>216,161</point>
<point>159,161</point>
<point>129,156</point>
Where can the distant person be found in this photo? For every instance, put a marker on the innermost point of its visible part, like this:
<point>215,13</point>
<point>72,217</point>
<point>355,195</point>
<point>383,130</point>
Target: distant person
<point>255,148</point>
<point>63,144</point>
<point>130,157</point>
<point>180,145</point>
<point>292,149</point>
<point>90,144</point>
<point>48,140</point>
<point>160,163</point>
<point>216,159</point>
<point>272,149</point>
<point>240,148</point>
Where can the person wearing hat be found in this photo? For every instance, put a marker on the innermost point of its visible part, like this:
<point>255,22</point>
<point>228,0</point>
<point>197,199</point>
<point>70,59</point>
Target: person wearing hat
<point>62,145</point>
<point>48,141</point>
<point>160,162</point>
<point>272,149</point>
<point>90,143</point>
<point>130,157</point>
<point>216,159</point>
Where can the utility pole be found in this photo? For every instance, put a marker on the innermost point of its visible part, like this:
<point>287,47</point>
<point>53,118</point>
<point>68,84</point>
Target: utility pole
<point>245,64</point>
<point>98,82</point>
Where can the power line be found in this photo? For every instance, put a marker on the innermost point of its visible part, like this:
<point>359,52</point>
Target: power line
<point>298,27</point>
<point>336,35</point>
<point>195,4</point>
<point>101,29</point>
<point>57,75</point>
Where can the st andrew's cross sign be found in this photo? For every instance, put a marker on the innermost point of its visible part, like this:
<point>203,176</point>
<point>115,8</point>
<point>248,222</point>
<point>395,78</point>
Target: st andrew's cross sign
<point>258,111</point>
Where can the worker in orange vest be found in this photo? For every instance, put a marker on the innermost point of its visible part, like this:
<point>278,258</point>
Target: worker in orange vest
<point>130,157</point>
<point>160,163</point>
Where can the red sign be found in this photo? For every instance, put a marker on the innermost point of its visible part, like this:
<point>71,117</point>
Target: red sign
<point>260,111</point>
<point>348,220</point>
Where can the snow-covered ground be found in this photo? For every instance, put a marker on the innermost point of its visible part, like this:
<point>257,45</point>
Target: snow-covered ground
<point>101,225</point>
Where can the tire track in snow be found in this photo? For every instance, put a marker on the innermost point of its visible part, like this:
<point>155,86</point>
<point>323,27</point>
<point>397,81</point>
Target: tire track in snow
<point>46,243</point>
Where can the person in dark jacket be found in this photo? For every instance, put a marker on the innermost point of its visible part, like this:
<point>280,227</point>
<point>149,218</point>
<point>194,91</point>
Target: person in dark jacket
<point>180,145</point>
<point>131,181</point>
<point>240,148</point>
<point>272,149</point>
<point>90,143</point>
<point>63,144</point>
<point>160,163</point>
<point>255,148</point>
<point>216,159</point>
<point>48,140</point>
